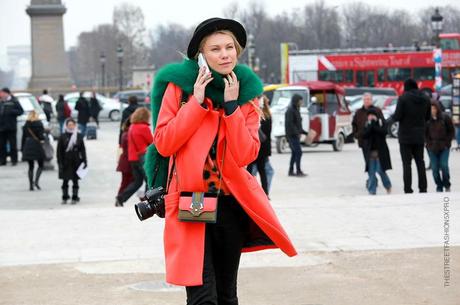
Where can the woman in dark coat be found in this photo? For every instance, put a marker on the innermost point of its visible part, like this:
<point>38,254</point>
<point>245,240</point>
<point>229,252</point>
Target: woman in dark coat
<point>439,134</point>
<point>94,108</point>
<point>123,163</point>
<point>71,153</point>
<point>376,150</point>
<point>33,135</point>
<point>293,127</point>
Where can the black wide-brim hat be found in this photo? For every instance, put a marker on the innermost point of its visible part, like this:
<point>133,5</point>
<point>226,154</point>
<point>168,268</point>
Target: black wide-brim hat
<point>212,25</point>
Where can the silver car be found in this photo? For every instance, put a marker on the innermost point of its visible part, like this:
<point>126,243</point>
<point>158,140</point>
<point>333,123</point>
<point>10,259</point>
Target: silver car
<point>110,107</point>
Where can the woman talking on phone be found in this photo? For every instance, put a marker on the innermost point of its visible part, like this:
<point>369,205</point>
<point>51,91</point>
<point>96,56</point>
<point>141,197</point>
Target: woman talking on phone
<point>208,125</point>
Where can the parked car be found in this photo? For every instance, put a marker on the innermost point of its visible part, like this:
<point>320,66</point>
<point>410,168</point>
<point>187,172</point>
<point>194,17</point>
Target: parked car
<point>110,107</point>
<point>143,97</point>
<point>28,103</point>
<point>324,114</point>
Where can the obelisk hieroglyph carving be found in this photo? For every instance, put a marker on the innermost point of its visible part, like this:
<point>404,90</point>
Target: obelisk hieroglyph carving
<point>50,69</point>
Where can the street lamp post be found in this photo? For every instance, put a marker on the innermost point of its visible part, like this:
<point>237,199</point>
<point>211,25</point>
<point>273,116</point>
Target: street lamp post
<point>251,51</point>
<point>120,65</point>
<point>102,58</point>
<point>436,26</point>
<point>120,78</point>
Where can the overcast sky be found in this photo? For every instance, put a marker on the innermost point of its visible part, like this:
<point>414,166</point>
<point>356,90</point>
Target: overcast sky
<point>83,15</point>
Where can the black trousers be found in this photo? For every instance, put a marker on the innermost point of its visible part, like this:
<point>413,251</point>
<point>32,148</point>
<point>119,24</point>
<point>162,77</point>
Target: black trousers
<point>8,136</point>
<point>409,151</point>
<point>139,178</point>
<point>223,243</point>
<point>296,153</point>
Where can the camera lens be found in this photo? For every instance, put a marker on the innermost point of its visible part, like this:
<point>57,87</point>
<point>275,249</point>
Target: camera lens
<point>144,211</point>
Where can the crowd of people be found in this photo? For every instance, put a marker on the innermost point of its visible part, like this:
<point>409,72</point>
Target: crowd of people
<point>422,124</point>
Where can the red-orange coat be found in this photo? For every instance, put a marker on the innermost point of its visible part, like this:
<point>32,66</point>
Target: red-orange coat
<point>189,132</point>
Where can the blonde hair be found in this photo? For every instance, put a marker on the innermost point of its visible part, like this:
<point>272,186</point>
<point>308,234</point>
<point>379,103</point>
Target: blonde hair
<point>238,47</point>
<point>33,116</point>
<point>141,115</point>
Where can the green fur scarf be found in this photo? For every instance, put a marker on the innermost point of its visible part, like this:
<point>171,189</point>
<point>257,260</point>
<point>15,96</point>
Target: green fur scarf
<point>184,75</point>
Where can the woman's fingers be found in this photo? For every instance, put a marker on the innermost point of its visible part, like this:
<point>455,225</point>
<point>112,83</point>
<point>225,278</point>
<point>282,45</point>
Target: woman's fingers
<point>226,83</point>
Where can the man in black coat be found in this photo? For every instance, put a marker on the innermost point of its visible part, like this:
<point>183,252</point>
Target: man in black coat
<point>132,106</point>
<point>84,113</point>
<point>412,112</point>
<point>10,109</point>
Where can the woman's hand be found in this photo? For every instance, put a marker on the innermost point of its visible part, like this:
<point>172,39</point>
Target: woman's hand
<point>199,87</point>
<point>232,87</point>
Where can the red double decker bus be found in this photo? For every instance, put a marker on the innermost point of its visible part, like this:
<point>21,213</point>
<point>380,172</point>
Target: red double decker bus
<point>376,67</point>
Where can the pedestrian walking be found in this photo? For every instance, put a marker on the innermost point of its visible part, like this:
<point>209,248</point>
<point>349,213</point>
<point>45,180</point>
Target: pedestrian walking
<point>360,120</point>
<point>10,109</point>
<point>123,163</point>
<point>208,126</point>
<point>439,134</point>
<point>293,127</point>
<point>376,150</point>
<point>63,112</point>
<point>265,151</point>
<point>46,101</point>
<point>94,108</point>
<point>33,135</point>
<point>82,106</point>
<point>127,112</point>
<point>412,112</point>
<point>71,153</point>
<point>139,138</point>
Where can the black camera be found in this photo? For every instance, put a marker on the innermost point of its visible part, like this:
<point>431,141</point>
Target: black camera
<point>152,203</point>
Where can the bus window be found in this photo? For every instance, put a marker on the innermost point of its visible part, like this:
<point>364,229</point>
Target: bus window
<point>348,76</point>
<point>370,78</point>
<point>424,73</point>
<point>332,76</point>
<point>397,74</point>
<point>360,78</point>
<point>381,75</point>
<point>450,44</point>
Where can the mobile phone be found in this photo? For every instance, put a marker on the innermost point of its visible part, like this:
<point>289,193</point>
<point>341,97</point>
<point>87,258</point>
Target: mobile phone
<point>202,62</point>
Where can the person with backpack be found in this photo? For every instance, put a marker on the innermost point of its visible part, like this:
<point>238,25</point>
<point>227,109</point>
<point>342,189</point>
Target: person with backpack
<point>439,134</point>
<point>63,112</point>
<point>206,131</point>
<point>46,101</point>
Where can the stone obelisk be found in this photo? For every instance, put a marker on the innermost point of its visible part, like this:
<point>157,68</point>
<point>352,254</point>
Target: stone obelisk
<point>50,69</point>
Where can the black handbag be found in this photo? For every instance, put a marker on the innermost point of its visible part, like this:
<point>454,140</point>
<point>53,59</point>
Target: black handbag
<point>47,148</point>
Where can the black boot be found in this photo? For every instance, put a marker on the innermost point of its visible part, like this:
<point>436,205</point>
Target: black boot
<point>65,194</point>
<point>75,197</point>
<point>37,177</point>
<point>31,180</point>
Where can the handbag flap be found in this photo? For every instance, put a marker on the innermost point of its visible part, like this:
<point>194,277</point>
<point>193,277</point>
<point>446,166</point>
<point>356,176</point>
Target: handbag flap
<point>209,202</point>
